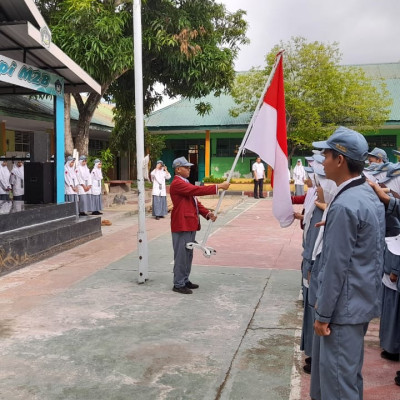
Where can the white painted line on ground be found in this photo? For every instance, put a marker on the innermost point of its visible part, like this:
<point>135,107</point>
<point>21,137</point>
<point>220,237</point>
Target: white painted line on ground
<point>295,379</point>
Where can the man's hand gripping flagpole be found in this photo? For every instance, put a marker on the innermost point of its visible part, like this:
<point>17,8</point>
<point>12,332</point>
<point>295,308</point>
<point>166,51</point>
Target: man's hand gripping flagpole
<point>206,250</point>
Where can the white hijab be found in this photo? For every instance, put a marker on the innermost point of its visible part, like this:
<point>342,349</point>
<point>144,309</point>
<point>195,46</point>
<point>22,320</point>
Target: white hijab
<point>96,172</point>
<point>330,188</point>
<point>83,170</point>
<point>298,170</point>
<point>18,171</point>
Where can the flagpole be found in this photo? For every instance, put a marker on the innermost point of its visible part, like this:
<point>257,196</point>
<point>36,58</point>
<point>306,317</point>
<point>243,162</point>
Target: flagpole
<point>250,126</point>
<point>141,235</point>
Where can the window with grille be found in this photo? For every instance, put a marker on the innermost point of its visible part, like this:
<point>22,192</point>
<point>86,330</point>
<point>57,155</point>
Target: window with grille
<point>22,141</point>
<point>230,147</point>
<point>382,141</point>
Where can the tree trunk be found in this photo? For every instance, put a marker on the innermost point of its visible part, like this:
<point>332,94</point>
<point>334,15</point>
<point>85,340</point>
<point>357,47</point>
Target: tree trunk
<point>86,111</point>
<point>69,144</point>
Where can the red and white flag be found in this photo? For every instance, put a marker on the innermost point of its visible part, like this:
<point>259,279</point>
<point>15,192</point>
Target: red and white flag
<point>268,139</point>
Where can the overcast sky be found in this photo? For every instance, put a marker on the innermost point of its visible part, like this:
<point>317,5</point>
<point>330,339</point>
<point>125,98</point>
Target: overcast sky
<point>368,31</point>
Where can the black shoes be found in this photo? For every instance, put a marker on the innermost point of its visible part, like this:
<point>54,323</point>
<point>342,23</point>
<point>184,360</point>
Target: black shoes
<point>82,214</point>
<point>182,290</point>
<point>397,380</point>
<point>97,213</point>
<point>191,285</point>
<point>157,218</point>
<point>390,356</point>
<point>308,360</point>
<point>256,197</point>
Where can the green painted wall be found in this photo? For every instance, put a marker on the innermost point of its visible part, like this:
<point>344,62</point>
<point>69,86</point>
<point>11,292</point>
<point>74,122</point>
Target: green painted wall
<point>220,166</point>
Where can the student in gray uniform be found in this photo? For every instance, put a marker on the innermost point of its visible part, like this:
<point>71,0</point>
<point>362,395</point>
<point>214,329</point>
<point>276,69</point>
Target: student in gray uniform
<point>349,283</point>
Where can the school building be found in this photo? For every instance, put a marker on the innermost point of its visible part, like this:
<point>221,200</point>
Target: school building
<point>211,142</point>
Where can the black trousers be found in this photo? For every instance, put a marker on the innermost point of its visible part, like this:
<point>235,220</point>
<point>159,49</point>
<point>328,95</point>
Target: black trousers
<point>258,188</point>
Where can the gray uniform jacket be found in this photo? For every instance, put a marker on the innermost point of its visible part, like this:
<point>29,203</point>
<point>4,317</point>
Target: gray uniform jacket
<point>349,287</point>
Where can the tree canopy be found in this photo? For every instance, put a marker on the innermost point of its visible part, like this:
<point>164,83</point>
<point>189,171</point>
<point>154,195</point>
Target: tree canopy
<point>188,46</point>
<point>320,94</point>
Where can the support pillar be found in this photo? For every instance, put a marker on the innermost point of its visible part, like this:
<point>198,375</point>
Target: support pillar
<point>60,148</point>
<point>3,138</point>
<point>207,154</point>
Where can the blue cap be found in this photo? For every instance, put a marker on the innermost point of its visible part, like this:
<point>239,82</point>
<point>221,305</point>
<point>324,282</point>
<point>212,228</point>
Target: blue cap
<point>181,162</point>
<point>346,142</point>
<point>96,161</point>
<point>319,158</point>
<point>309,170</point>
<point>379,153</point>
<point>319,169</point>
<point>70,158</point>
<point>82,158</point>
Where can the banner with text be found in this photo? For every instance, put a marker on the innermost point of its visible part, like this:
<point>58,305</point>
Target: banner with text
<point>20,74</point>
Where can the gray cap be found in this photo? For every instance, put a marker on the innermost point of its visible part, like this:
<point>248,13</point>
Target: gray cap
<point>97,160</point>
<point>309,170</point>
<point>346,142</point>
<point>181,162</point>
<point>379,153</point>
<point>160,162</point>
<point>70,158</point>
<point>81,158</point>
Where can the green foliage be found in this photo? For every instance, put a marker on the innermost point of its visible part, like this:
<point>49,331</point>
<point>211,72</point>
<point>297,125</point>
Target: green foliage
<point>212,179</point>
<point>93,34</point>
<point>320,94</point>
<point>188,46</point>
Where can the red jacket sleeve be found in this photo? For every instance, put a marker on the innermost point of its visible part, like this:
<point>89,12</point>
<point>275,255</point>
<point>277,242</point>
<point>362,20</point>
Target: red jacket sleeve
<point>184,215</point>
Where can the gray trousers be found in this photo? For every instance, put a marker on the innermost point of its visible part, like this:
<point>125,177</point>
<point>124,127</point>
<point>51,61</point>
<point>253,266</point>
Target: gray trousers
<point>182,257</point>
<point>341,357</point>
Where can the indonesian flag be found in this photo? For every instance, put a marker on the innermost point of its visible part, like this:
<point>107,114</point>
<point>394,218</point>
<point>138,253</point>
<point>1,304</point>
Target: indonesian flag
<point>268,139</point>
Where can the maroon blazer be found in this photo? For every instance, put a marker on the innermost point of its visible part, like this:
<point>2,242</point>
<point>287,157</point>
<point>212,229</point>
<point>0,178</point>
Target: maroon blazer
<point>184,215</point>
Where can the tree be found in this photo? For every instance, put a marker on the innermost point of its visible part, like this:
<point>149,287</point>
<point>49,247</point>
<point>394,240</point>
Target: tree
<point>320,94</point>
<point>188,45</point>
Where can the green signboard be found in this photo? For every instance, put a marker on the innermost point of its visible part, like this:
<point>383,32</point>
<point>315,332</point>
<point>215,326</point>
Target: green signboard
<point>20,74</point>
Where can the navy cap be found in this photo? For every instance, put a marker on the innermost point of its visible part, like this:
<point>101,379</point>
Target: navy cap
<point>346,142</point>
<point>181,162</point>
<point>379,153</point>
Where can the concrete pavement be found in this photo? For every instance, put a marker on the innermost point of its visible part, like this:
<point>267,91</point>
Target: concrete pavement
<point>79,326</point>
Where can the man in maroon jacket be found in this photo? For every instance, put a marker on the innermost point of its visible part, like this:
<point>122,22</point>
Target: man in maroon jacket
<point>185,221</point>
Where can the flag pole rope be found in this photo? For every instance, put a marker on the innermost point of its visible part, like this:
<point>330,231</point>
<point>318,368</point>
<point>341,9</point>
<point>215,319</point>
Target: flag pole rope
<point>249,128</point>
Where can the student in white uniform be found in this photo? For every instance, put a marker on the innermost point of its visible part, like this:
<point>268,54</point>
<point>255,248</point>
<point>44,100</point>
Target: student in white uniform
<point>84,186</point>
<point>70,180</point>
<point>97,177</point>
<point>17,181</point>
<point>158,176</point>
<point>5,186</point>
